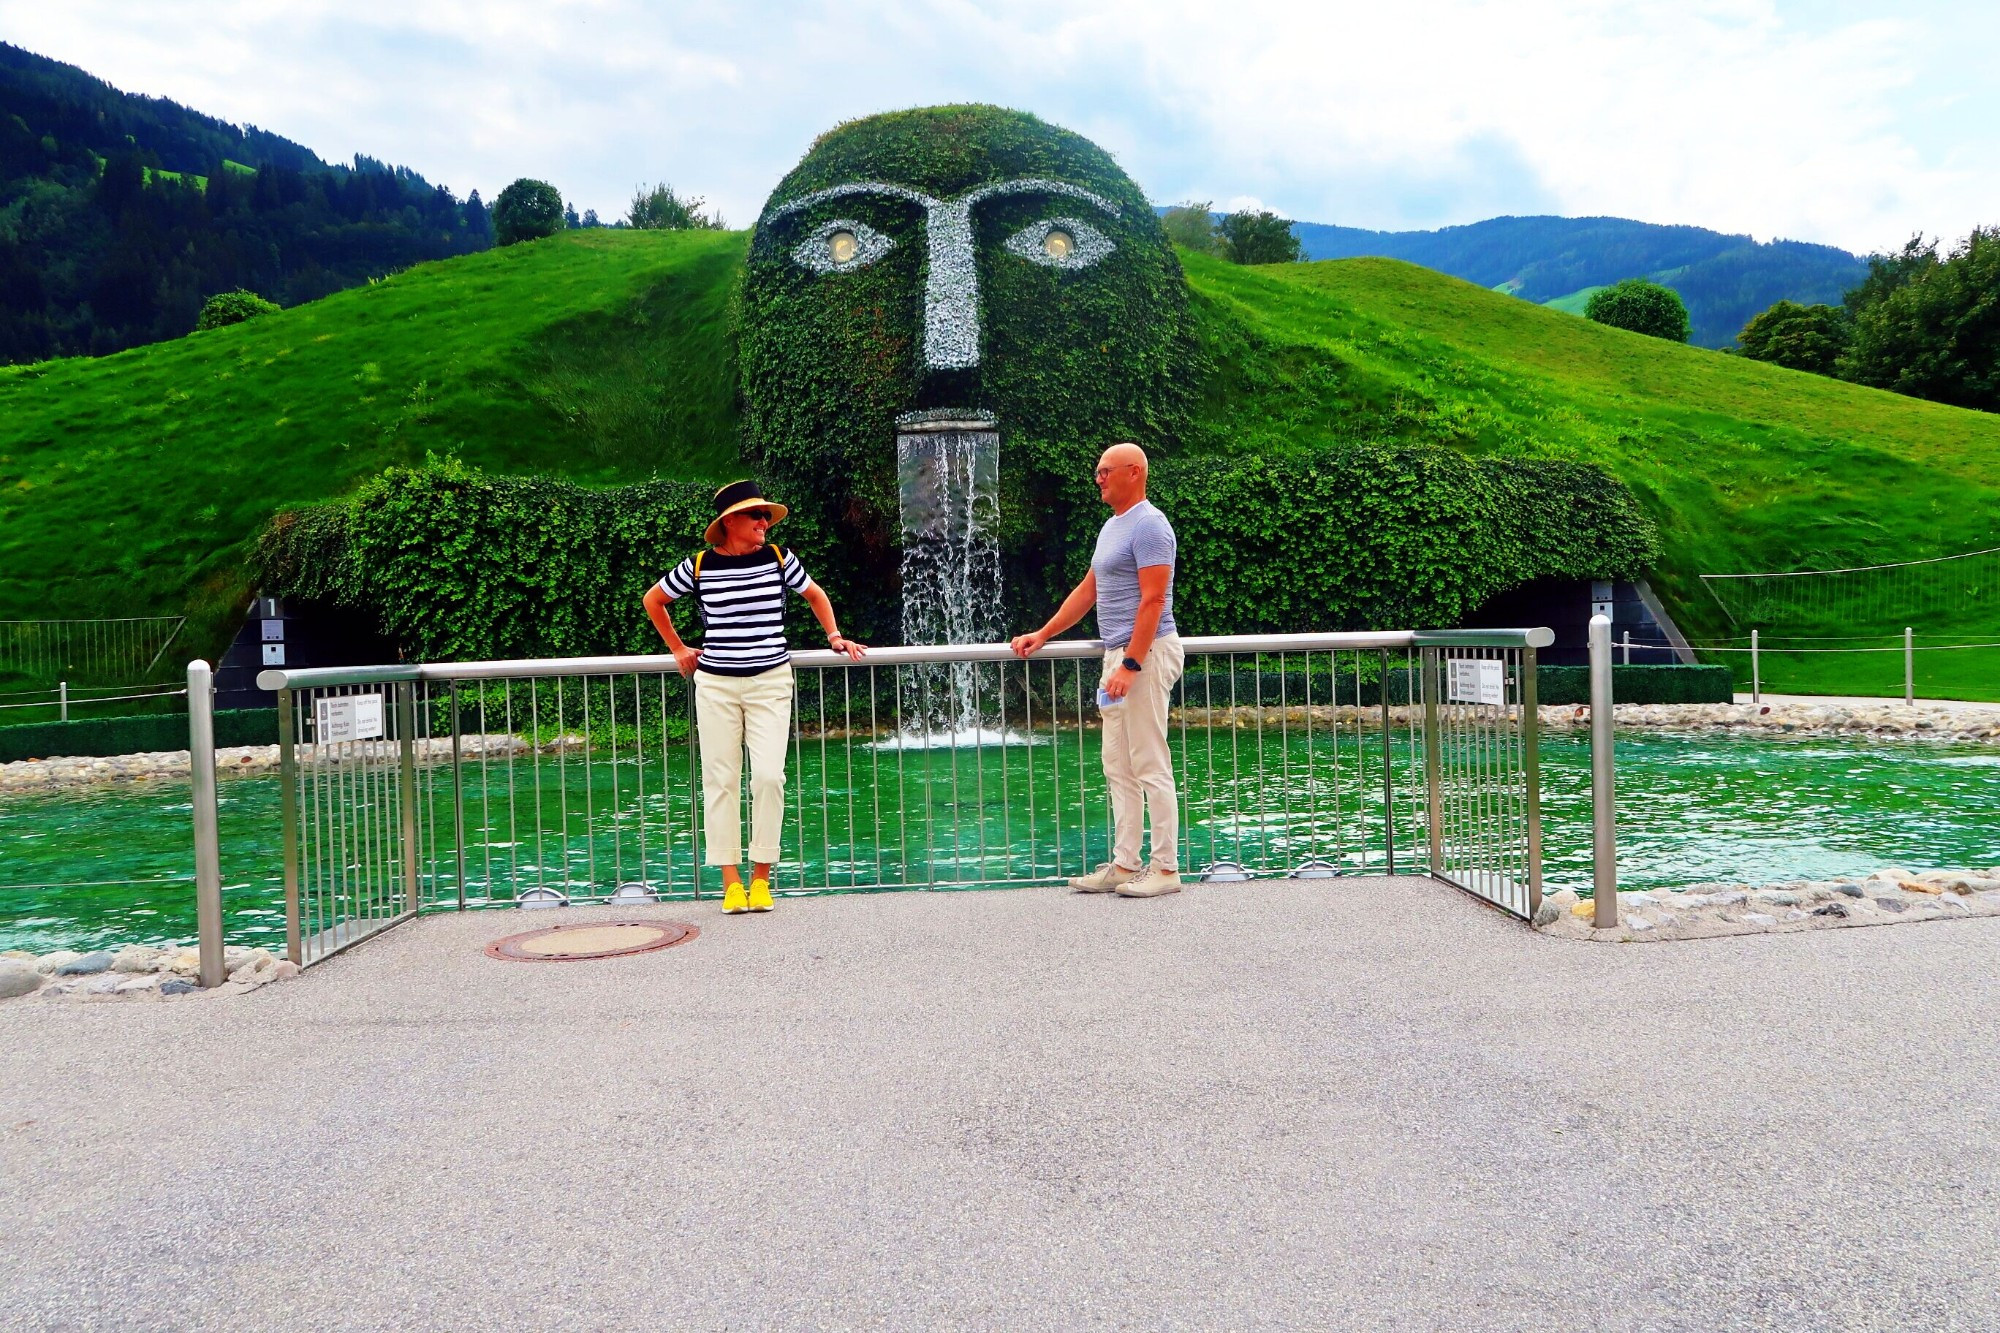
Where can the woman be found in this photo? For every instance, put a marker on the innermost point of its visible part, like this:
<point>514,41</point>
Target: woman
<point>742,677</point>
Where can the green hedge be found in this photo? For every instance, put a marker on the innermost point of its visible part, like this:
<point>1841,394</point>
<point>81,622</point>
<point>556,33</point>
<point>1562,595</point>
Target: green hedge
<point>1370,536</point>
<point>455,564</point>
<point>132,735</point>
<point>1639,685</point>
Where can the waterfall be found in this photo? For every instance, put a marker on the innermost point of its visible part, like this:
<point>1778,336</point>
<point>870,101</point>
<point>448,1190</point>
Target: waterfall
<point>948,479</point>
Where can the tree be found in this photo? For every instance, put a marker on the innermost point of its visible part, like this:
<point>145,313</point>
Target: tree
<point>660,209</point>
<point>225,308</point>
<point>1641,306</point>
<point>1936,333</point>
<point>527,210</point>
<point>1887,273</point>
<point>1192,227</point>
<point>1798,337</point>
<point>1259,237</point>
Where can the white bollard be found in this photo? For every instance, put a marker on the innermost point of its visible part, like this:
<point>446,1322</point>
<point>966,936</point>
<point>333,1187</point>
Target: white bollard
<point>1756,681</point>
<point>1909,665</point>
<point>207,854</point>
<point>1603,810</point>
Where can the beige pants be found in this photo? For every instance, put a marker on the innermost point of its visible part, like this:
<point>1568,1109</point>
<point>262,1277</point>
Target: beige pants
<point>1138,768</point>
<point>732,714</point>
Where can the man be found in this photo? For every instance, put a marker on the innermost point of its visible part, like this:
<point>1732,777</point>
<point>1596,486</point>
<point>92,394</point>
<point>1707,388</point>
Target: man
<point>742,678</point>
<point>1131,583</point>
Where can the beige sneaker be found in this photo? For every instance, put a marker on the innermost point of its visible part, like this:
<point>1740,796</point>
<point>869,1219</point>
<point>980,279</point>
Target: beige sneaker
<point>1104,879</point>
<point>1151,883</point>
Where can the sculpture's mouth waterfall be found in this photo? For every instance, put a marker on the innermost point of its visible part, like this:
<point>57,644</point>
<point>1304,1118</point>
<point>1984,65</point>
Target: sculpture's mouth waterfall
<point>948,480</point>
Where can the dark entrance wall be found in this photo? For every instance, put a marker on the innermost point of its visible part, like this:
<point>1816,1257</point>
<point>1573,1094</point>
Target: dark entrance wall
<point>1564,605</point>
<point>307,635</point>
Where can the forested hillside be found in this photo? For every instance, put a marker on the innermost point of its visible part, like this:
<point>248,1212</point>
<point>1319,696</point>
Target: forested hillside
<point>1723,279</point>
<point>121,214</point>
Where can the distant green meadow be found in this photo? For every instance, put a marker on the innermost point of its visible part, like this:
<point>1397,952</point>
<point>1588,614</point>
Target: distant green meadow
<point>135,484</point>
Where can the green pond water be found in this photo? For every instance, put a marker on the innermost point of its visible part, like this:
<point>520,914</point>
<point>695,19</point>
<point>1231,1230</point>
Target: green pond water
<point>116,865</point>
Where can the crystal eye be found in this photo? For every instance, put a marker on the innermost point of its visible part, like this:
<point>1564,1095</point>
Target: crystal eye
<point>839,245</point>
<point>1061,243</point>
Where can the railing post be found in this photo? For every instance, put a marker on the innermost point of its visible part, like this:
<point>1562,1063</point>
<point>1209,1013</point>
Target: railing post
<point>1433,785</point>
<point>1625,656</point>
<point>288,800</point>
<point>406,731</point>
<point>1603,811</point>
<point>1909,665</point>
<point>1756,680</point>
<point>207,854</point>
<point>458,796</point>
<point>1531,765</point>
<point>1388,773</point>
<point>62,700</point>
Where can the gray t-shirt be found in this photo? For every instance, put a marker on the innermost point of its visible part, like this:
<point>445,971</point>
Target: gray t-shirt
<point>1129,542</point>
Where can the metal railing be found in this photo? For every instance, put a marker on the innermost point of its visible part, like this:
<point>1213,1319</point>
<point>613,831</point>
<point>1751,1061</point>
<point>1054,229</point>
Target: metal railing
<point>464,784</point>
<point>86,650</point>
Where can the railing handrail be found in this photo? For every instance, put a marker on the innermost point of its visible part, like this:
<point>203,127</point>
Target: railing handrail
<point>282,678</point>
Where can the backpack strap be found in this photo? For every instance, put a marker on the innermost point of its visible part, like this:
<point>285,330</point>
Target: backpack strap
<point>697,565</point>
<point>778,551</point>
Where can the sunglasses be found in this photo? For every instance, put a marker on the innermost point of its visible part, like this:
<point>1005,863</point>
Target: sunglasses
<point>763,515</point>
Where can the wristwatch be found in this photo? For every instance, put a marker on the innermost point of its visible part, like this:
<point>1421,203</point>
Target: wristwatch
<point>1130,665</point>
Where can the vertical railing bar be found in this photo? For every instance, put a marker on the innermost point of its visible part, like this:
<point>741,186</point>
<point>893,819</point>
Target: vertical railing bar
<point>406,701</point>
<point>825,775</point>
<point>639,758</point>
<point>696,828</point>
<point>957,801</point>
<point>589,790</point>
<point>875,767</point>
<point>1082,772</point>
<point>979,763</point>
<point>562,781</point>
<point>930,838</point>
<point>1434,796</point>
<point>1008,863</point>
<point>535,732</point>
<point>799,788</point>
<point>1236,768</point>
<point>617,791</point>
<point>1028,760</point>
<point>902,794</point>
<point>847,732</point>
<point>1055,766</point>
<point>458,792</point>
<point>288,777</point>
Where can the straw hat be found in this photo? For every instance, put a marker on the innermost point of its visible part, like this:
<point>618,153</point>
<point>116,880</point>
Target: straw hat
<point>736,497</point>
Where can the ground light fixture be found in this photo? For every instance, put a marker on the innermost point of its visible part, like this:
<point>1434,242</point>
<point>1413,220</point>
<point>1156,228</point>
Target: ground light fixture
<point>1316,868</point>
<point>1224,872</point>
<point>630,892</point>
<point>540,897</point>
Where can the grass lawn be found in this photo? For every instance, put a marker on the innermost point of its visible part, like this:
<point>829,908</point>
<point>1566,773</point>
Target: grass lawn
<point>134,484</point>
<point>1576,302</point>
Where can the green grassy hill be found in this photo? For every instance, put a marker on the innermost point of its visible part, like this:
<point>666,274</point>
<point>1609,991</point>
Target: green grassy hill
<point>134,484</point>
<point>1576,302</point>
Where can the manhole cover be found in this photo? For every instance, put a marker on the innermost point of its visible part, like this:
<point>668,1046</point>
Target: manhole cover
<point>607,939</point>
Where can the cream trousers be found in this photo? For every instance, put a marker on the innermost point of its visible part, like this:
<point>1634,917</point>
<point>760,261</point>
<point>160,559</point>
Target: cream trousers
<point>1138,767</point>
<point>732,714</point>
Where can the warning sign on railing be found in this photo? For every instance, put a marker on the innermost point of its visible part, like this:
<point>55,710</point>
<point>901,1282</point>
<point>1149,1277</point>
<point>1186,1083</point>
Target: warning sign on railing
<point>1476,682</point>
<point>352,717</point>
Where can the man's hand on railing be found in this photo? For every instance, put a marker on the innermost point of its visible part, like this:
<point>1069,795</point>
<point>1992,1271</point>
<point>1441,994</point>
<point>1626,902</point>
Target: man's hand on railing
<point>686,659</point>
<point>1027,645</point>
<point>840,643</point>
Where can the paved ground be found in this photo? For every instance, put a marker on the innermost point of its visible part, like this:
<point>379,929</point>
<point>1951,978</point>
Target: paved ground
<point>1248,1106</point>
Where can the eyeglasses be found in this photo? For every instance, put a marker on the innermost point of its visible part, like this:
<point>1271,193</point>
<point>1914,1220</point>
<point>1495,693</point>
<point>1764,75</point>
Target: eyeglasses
<point>760,515</point>
<point>1104,472</point>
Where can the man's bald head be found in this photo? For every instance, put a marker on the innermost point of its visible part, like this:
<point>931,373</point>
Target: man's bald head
<point>1121,476</point>
<point>1124,455</point>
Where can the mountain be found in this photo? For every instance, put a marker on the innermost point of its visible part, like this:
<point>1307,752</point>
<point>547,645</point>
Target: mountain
<point>607,356</point>
<point>1723,279</point>
<point>121,214</point>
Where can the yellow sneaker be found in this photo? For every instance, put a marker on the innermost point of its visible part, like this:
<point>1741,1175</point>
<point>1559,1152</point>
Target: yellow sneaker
<point>760,895</point>
<point>733,898</point>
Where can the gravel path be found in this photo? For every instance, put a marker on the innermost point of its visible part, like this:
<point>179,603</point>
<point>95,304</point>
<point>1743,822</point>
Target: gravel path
<point>1245,1106</point>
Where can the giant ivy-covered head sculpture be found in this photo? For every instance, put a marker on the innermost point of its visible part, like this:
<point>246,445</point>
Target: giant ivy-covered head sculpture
<point>961,262</point>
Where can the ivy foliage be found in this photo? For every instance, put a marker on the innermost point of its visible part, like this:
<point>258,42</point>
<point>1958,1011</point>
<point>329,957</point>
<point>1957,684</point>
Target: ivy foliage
<point>456,564</point>
<point>1070,358</point>
<point>1369,536</point>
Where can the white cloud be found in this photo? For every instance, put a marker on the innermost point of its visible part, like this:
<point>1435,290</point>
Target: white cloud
<point>1735,114</point>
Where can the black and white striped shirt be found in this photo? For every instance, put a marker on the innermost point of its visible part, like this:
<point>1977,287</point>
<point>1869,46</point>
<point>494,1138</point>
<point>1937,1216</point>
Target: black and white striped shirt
<point>742,604</point>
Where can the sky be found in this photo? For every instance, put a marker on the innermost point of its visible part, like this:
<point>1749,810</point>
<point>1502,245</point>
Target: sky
<point>1847,123</point>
